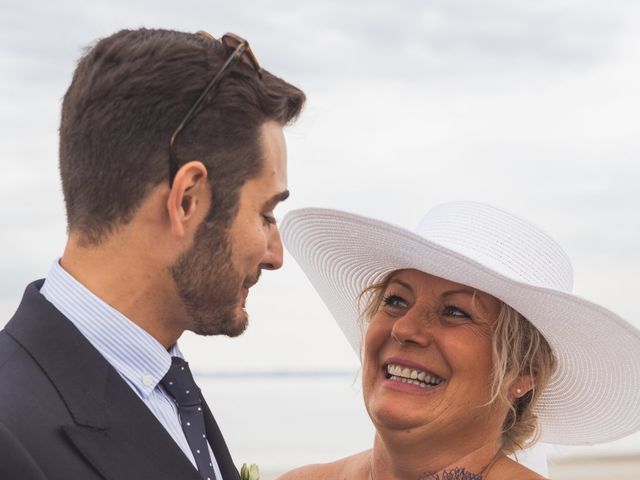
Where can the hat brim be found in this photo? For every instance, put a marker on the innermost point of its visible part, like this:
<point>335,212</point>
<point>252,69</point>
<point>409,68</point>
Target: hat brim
<point>592,397</point>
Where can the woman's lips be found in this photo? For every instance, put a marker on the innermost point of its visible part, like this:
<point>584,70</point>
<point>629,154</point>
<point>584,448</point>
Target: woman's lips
<point>405,375</point>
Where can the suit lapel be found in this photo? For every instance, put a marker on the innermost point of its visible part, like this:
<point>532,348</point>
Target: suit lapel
<point>109,425</point>
<point>135,445</point>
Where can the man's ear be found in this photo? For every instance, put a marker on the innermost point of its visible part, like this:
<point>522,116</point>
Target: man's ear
<point>189,189</point>
<point>521,386</point>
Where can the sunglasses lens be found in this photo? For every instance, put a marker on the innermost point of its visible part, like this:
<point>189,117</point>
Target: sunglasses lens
<point>232,41</point>
<point>205,35</point>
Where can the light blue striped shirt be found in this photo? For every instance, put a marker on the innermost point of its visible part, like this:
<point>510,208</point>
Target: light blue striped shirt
<point>138,357</point>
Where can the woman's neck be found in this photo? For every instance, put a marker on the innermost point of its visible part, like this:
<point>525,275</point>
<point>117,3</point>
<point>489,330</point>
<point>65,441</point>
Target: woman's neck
<point>413,461</point>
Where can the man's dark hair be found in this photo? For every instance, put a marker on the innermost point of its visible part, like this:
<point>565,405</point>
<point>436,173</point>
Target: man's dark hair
<point>128,95</point>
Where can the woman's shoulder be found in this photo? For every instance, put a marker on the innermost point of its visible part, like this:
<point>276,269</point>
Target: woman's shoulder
<point>345,468</point>
<point>509,469</point>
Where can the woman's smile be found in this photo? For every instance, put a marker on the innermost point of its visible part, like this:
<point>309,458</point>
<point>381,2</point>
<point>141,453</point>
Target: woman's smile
<point>407,376</point>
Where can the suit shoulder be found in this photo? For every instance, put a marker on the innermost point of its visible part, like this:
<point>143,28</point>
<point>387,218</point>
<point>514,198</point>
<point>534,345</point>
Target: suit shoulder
<point>13,358</point>
<point>23,384</point>
<point>17,463</point>
<point>8,348</point>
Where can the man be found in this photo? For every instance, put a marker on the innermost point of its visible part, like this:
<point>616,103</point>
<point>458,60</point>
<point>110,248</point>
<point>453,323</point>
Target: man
<point>172,161</point>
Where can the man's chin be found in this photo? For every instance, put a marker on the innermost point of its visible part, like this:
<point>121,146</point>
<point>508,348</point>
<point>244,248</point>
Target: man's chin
<point>238,327</point>
<point>231,325</point>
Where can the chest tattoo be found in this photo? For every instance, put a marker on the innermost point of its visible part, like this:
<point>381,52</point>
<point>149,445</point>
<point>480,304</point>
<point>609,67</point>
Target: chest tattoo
<point>457,473</point>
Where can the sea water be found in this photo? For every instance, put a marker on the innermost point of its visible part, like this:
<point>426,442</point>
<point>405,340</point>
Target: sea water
<point>280,420</point>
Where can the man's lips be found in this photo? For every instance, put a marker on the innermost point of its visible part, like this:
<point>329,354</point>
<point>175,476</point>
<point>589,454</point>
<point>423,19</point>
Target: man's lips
<point>251,281</point>
<point>248,283</point>
<point>245,289</point>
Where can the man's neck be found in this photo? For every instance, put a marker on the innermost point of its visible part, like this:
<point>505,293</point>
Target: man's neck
<point>127,279</point>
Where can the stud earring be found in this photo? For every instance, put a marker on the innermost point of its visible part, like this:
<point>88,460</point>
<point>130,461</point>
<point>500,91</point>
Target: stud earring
<point>518,391</point>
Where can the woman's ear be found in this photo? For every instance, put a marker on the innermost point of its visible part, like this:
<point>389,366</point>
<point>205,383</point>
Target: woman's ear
<point>186,196</point>
<point>521,386</point>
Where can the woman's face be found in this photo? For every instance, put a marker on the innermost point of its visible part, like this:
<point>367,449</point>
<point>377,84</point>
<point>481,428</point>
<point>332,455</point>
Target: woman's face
<point>427,362</point>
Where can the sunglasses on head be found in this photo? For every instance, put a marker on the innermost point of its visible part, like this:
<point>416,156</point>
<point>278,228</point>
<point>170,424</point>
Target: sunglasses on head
<point>238,50</point>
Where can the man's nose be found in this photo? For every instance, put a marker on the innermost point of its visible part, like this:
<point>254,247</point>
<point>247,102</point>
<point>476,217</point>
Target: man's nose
<point>273,259</point>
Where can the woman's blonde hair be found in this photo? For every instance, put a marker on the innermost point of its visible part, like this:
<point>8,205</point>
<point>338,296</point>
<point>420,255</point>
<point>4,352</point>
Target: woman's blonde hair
<point>518,348</point>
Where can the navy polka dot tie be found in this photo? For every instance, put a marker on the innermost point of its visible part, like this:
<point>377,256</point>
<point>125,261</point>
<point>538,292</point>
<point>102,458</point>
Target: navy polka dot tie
<point>178,382</point>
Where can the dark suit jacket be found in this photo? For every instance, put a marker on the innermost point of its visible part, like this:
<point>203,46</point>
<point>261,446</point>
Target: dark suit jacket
<point>66,414</point>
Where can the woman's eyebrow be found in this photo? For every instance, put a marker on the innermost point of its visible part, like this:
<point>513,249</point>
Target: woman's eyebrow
<point>401,283</point>
<point>467,291</point>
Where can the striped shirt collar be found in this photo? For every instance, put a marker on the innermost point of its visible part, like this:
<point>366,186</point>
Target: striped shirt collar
<point>133,352</point>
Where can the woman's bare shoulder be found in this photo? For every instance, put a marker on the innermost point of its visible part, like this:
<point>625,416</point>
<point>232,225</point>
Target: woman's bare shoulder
<point>343,469</point>
<point>509,469</point>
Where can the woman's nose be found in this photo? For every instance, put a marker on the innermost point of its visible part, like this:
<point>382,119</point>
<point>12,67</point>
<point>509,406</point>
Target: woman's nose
<point>414,327</point>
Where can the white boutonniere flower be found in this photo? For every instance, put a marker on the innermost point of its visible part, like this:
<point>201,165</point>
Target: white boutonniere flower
<point>249,473</point>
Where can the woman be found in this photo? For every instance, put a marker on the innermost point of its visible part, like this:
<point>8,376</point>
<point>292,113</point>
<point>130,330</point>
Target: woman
<point>473,347</point>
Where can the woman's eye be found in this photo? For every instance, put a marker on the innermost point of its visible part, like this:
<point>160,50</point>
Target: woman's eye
<point>453,311</point>
<point>394,301</point>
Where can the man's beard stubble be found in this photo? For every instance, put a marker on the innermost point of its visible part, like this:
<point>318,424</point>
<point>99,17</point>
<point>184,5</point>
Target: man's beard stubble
<point>209,286</point>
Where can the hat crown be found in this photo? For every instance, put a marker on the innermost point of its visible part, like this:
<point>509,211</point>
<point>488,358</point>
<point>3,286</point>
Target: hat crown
<point>501,241</point>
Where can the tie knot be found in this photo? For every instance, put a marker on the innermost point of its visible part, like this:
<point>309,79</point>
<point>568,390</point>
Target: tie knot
<point>179,383</point>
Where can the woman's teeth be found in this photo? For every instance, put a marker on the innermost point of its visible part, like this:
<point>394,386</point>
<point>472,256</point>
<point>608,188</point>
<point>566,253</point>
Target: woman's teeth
<point>420,378</point>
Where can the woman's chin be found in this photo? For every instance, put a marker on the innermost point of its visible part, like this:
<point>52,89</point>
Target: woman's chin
<point>397,415</point>
<point>389,420</point>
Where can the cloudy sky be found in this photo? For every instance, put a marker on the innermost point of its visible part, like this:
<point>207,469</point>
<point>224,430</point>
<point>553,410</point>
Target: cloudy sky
<point>530,105</point>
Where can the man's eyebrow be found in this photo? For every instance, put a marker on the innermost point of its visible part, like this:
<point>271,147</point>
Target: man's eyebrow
<point>277,198</point>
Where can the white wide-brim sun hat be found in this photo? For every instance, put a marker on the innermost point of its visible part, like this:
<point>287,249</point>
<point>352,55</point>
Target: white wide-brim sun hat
<point>594,394</point>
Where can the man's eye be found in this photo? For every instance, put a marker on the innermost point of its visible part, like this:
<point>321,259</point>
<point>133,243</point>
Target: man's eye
<point>269,219</point>
<point>453,311</point>
<point>394,301</point>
